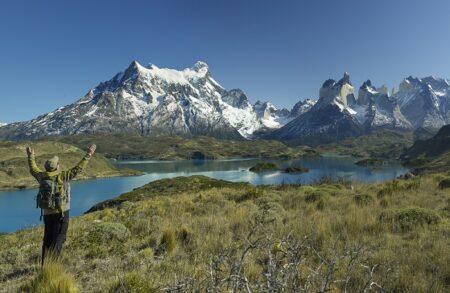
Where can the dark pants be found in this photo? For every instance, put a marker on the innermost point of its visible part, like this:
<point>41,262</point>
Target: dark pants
<point>54,234</point>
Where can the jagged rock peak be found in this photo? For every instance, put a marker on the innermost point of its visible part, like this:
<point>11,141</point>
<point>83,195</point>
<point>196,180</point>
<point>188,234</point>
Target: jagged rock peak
<point>329,83</point>
<point>366,84</point>
<point>345,79</point>
<point>301,107</point>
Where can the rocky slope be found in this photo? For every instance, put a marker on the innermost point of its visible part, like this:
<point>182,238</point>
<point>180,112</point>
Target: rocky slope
<point>378,109</point>
<point>425,102</point>
<point>156,101</point>
<point>430,155</point>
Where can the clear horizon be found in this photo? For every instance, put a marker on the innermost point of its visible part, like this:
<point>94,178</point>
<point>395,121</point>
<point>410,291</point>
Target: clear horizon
<point>52,53</point>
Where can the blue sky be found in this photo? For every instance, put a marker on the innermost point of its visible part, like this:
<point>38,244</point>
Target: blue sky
<point>53,52</point>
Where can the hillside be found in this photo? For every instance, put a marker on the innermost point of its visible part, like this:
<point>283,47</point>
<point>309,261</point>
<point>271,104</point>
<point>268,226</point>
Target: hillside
<point>200,234</point>
<point>430,155</point>
<point>383,144</point>
<point>14,172</point>
<point>129,146</point>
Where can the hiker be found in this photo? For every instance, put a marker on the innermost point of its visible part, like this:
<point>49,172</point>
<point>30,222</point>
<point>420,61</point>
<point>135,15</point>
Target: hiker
<point>54,198</point>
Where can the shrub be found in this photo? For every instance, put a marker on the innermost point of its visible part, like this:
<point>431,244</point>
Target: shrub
<point>107,231</point>
<point>409,218</point>
<point>363,199</point>
<point>444,183</point>
<point>51,278</point>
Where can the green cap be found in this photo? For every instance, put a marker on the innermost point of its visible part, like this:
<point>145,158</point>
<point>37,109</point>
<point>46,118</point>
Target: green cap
<point>52,164</point>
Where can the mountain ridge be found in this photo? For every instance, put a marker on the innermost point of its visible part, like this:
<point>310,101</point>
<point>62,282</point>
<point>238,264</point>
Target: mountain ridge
<point>153,101</point>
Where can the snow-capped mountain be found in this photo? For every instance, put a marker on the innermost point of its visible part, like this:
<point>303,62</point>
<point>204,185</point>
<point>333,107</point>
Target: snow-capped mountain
<point>161,101</point>
<point>339,114</point>
<point>2,124</point>
<point>425,102</point>
<point>154,101</point>
<point>331,118</point>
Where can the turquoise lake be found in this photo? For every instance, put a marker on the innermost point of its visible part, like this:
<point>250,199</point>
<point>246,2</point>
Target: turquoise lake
<point>18,209</point>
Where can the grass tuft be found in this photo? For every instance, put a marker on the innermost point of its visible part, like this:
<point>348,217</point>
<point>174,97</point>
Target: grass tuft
<point>51,278</point>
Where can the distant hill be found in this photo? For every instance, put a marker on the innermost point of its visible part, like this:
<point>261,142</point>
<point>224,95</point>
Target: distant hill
<point>133,146</point>
<point>431,154</point>
<point>381,143</point>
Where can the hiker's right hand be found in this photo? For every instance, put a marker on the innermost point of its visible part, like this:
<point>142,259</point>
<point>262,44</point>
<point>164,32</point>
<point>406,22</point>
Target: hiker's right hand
<point>30,151</point>
<point>91,150</point>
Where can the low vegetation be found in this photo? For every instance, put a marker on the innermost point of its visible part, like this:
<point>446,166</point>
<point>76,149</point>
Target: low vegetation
<point>14,172</point>
<point>129,146</point>
<point>197,234</point>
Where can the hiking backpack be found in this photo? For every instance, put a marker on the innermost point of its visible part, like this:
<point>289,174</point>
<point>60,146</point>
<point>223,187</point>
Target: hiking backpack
<point>49,197</point>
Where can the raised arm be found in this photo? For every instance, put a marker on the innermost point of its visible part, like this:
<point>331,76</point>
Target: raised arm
<point>72,173</point>
<point>34,169</point>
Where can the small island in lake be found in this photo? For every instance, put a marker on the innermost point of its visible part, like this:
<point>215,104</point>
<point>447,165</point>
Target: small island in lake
<point>261,167</point>
<point>370,162</point>
<point>296,169</point>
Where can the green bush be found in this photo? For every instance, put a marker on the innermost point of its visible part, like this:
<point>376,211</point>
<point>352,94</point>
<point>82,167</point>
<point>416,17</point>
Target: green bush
<point>409,218</point>
<point>107,231</point>
<point>363,199</point>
